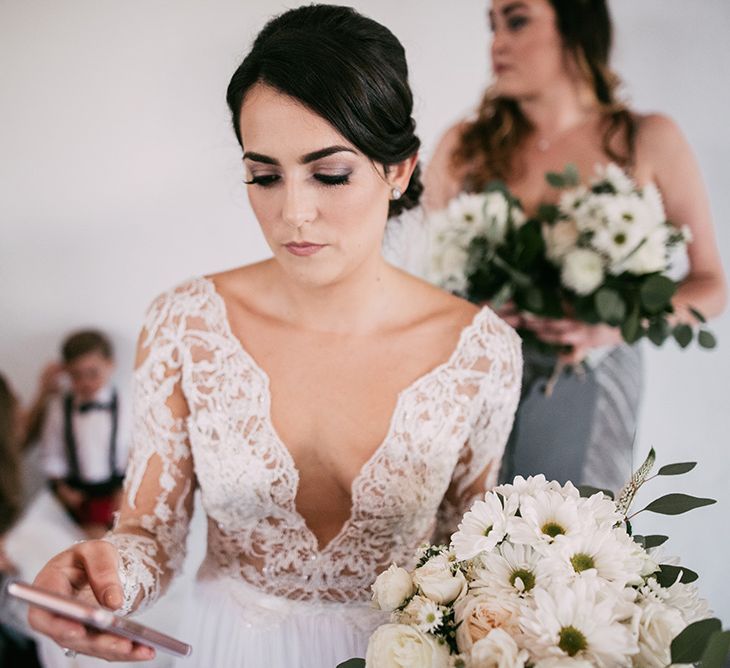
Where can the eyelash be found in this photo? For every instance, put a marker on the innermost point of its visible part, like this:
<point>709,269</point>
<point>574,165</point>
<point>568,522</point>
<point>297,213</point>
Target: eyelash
<point>517,22</point>
<point>514,23</point>
<point>268,180</point>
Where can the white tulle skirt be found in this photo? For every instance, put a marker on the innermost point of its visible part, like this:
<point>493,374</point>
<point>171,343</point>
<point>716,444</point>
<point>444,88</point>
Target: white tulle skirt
<point>233,625</point>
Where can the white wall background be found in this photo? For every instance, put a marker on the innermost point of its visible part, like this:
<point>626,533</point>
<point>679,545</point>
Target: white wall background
<point>120,176</point>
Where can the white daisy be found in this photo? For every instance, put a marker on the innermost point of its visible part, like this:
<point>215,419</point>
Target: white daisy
<point>530,486</point>
<point>582,621</point>
<point>545,517</point>
<point>429,615</point>
<point>601,510</point>
<point>682,597</point>
<point>604,554</point>
<point>510,570</point>
<point>481,529</point>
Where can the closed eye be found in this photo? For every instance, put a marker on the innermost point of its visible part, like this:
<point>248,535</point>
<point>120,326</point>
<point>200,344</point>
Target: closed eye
<point>264,180</point>
<point>333,179</point>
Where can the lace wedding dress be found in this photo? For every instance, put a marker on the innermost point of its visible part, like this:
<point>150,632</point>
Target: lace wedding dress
<point>267,594</point>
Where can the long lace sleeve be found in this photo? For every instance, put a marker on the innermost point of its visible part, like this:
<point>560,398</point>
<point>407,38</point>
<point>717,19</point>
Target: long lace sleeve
<point>152,525</point>
<point>479,461</point>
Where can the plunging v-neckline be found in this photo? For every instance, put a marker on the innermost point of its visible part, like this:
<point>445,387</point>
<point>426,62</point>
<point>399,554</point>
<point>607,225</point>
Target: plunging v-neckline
<point>281,445</point>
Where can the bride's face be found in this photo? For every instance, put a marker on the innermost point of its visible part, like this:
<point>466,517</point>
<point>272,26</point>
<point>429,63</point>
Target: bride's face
<point>527,50</point>
<point>322,204</point>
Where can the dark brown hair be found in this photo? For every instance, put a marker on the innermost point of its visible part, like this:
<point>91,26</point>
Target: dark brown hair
<point>9,457</point>
<point>348,69</point>
<point>488,144</point>
<point>86,341</point>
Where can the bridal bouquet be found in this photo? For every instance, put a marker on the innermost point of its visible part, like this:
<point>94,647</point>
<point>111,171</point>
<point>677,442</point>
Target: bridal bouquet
<point>600,255</point>
<point>544,575</point>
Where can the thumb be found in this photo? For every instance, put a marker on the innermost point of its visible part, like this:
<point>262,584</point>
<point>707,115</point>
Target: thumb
<point>101,563</point>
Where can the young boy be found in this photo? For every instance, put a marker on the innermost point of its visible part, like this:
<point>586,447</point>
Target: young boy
<point>84,437</point>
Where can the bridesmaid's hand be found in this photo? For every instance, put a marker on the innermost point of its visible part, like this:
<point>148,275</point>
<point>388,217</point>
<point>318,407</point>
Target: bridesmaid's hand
<point>87,571</point>
<point>510,314</point>
<point>580,336</point>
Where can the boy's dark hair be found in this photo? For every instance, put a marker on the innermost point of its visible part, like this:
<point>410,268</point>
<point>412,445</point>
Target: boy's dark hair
<point>86,341</point>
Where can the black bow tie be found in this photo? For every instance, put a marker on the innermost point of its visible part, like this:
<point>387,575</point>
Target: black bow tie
<point>93,406</point>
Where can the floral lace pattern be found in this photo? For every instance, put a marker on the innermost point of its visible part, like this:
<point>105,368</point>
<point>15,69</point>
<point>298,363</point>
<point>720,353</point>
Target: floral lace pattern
<point>202,417</point>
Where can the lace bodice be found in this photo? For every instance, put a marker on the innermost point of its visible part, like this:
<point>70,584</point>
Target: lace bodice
<point>202,418</point>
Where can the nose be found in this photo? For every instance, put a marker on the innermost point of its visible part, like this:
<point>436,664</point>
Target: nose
<point>299,205</point>
<point>499,42</point>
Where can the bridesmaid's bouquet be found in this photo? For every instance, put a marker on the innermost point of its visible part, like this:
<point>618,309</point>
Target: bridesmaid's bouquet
<point>600,255</point>
<point>544,575</point>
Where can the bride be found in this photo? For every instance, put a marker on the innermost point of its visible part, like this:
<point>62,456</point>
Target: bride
<point>332,410</point>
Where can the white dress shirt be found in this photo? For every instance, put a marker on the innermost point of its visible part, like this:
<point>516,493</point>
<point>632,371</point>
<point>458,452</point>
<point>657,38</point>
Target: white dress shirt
<point>92,433</point>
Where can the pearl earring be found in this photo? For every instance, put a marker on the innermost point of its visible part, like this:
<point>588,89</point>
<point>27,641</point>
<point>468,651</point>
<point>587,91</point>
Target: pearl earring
<point>396,193</point>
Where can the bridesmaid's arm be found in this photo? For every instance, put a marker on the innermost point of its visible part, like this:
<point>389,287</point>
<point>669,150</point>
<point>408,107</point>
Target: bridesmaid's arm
<point>662,145</point>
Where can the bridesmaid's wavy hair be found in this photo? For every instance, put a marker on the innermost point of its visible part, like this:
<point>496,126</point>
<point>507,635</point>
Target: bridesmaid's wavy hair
<point>488,144</point>
<point>348,69</point>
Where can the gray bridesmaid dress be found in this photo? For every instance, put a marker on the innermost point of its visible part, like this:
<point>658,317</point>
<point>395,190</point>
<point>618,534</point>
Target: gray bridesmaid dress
<point>584,431</point>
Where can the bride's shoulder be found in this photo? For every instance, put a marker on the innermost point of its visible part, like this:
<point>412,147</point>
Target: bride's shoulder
<point>484,328</point>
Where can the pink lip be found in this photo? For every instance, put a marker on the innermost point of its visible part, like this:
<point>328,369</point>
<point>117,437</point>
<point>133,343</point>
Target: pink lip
<point>500,68</point>
<point>303,248</point>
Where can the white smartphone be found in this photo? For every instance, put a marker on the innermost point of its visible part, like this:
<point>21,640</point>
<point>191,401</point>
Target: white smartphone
<point>97,618</point>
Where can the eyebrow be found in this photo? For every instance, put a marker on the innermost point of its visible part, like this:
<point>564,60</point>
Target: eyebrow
<point>513,6</point>
<point>305,159</point>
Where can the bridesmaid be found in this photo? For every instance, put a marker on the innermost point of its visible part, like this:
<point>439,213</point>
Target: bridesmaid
<point>553,101</point>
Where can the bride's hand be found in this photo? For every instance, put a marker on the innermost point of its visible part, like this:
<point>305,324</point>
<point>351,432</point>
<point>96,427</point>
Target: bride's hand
<point>87,571</point>
<point>580,336</point>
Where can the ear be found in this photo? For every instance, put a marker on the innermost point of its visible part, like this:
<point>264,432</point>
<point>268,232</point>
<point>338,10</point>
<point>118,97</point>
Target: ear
<point>399,174</point>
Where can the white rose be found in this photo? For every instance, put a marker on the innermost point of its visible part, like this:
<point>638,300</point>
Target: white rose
<point>392,588</point>
<point>401,646</point>
<point>559,238</point>
<point>498,650</point>
<point>437,582</point>
<point>478,616</point>
<point>658,626</point>
<point>582,271</point>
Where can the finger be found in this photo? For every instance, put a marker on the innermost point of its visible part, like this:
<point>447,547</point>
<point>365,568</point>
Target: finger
<point>101,563</point>
<point>53,578</point>
<point>110,647</point>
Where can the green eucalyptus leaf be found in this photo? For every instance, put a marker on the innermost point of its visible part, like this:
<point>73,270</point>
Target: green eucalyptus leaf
<point>706,339</point>
<point>683,335</point>
<point>717,650</point>
<point>701,318</point>
<point>656,293</point>
<point>548,212</point>
<point>352,663</point>
<point>630,329</point>
<point>626,495</point>
<point>658,331</point>
<point>676,504</point>
<point>668,575</point>
<point>611,308</point>
<point>587,490</point>
<point>654,540</point>
<point>555,179</point>
<point>503,295</point>
<point>571,175</point>
<point>690,644</point>
<point>676,469</point>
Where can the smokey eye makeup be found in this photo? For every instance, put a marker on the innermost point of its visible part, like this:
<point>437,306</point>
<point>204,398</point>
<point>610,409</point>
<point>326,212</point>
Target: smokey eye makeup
<point>324,176</point>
